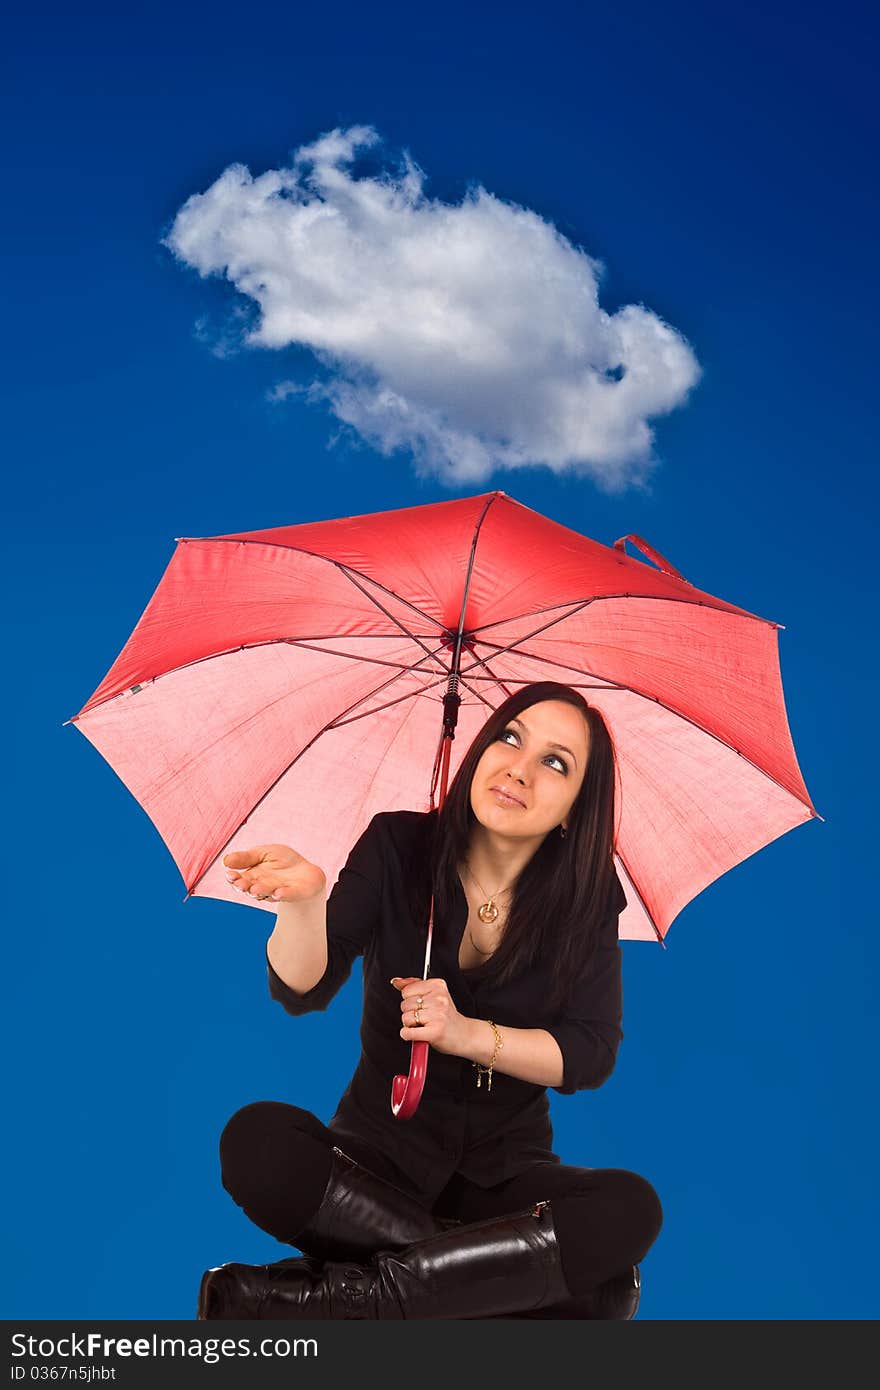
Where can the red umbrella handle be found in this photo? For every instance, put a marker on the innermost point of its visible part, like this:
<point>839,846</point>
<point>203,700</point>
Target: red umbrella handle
<point>406,1091</point>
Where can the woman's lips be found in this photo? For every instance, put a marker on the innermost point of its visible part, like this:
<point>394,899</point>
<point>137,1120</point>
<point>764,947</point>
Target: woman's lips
<point>506,799</point>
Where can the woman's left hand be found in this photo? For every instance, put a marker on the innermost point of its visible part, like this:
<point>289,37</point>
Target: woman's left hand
<point>429,1015</point>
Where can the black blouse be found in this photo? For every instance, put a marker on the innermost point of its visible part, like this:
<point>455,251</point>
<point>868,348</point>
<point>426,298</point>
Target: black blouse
<point>486,1136</point>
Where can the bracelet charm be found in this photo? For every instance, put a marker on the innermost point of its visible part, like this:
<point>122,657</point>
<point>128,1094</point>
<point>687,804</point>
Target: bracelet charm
<point>487,1071</point>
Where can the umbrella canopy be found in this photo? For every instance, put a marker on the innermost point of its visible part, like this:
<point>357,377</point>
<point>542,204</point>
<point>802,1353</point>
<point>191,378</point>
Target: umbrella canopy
<point>287,684</point>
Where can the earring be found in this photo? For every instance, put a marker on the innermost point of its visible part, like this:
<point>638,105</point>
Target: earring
<point>562,831</point>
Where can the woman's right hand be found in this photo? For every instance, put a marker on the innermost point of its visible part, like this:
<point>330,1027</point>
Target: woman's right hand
<point>276,872</point>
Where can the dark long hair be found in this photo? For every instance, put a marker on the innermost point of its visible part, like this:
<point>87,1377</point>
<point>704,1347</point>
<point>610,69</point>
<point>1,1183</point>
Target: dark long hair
<point>562,893</point>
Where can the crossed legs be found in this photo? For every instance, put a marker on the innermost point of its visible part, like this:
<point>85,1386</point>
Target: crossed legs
<point>279,1164</point>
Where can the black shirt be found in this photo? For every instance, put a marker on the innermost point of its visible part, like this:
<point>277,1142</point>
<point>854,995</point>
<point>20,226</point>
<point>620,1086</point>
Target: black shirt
<point>486,1136</point>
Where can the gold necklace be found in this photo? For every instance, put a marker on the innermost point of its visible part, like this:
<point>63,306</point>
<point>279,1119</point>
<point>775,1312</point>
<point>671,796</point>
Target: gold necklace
<point>487,911</point>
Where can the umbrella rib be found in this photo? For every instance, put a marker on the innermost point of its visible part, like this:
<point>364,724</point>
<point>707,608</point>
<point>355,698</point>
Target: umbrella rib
<point>460,628</point>
<point>597,684</point>
<point>572,606</point>
<point>349,574</point>
<point>491,676</point>
<point>340,722</point>
<point>549,661</point>
<point>343,569</point>
<point>335,723</point>
<point>347,570</point>
<point>632,883</point>
<point>730,609</point>
<point>254,646</point>
<point>471,558</point>
<point>413,694</point>
<point>643,695</point>
<point>356,656</point>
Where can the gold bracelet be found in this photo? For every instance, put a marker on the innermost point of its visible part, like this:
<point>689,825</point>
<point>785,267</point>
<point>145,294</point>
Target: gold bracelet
<point>487,1071</point>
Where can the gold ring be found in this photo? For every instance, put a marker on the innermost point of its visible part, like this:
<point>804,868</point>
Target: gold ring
<point>420,1001</point>
<point>418,1021</point>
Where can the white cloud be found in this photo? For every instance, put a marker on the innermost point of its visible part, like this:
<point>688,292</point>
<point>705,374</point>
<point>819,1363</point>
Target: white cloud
<point>468,334</point>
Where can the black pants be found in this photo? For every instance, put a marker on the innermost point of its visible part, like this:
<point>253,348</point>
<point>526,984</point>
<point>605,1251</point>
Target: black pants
<point>275,1163</point>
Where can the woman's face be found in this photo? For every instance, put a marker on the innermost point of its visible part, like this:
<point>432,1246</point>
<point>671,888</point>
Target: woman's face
<point>526,782</point>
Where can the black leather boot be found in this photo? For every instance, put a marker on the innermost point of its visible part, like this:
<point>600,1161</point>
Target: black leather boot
<point>492,1267</point>
<point>616,1299</point>
<point>360,1214</point>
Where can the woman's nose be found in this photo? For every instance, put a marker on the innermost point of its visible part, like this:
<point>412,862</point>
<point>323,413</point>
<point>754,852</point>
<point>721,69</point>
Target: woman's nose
<point>518,770</point>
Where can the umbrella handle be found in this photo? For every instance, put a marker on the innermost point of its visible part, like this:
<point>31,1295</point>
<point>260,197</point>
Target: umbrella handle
<point>406,1091</point>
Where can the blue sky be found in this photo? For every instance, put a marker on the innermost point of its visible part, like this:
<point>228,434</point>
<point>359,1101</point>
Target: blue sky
<point>716,163</point>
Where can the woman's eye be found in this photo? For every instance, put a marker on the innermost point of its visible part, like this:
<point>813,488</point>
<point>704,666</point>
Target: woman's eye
<point>551,757</point>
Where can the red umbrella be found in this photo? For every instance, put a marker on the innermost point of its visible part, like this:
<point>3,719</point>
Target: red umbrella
<point>287,684</point>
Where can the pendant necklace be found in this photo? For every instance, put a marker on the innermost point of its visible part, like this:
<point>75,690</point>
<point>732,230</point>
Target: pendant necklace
<point>487,911</point>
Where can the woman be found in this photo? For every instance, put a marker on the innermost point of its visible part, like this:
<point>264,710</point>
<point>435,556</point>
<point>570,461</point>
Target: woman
<point>463,1210</point>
